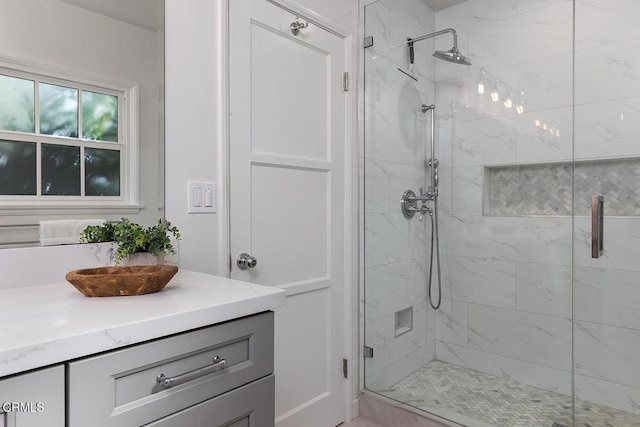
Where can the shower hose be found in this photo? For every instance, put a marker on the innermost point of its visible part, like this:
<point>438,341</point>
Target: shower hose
<point>434,238</point>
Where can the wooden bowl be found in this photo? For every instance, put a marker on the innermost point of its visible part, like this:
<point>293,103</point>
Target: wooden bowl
<point>121,281</point>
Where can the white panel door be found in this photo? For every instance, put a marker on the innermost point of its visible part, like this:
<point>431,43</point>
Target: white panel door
<point>287,150</point>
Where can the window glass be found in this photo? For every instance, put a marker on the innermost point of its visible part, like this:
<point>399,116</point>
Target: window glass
<point>58,110</point>
<point>102,172</point>
<point>60,170</point>
<point>70,140</point>
<point>17,106</point>
<point>17,168</point>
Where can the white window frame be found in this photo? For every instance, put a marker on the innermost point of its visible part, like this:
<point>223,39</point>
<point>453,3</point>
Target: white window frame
<point>128,138</point>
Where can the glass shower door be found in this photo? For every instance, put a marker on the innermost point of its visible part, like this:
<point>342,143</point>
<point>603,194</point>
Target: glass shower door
<point>504,331</point>
<point>398,326</point>
<point>607,162</point>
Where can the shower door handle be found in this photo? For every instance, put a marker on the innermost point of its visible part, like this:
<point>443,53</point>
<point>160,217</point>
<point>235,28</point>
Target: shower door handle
<point>597,230</point>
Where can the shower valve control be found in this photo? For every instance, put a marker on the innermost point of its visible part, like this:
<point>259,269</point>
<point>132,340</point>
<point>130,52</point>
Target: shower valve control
<point>409,204</point>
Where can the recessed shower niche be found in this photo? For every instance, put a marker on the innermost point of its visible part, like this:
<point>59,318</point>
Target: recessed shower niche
<point>545,189</point>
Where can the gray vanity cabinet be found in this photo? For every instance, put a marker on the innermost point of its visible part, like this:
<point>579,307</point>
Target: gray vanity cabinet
<point>33,399</point>
<point>214,376</point>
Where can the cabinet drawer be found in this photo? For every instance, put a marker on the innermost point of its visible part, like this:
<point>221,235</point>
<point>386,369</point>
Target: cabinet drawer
<point>249,406</point>
<point>33,399</point>
<point>121,388</point>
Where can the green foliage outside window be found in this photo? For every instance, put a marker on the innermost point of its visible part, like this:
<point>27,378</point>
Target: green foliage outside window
<point>58,113</point>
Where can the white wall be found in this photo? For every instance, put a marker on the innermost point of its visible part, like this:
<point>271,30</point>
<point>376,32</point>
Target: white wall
<point>192,141</point>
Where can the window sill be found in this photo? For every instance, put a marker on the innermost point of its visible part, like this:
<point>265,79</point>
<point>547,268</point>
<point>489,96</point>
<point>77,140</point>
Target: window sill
<point>71,208</point>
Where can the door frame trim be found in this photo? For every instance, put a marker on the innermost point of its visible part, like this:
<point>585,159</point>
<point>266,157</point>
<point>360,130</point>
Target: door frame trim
<point>351,169</point>
<point>223,137</point>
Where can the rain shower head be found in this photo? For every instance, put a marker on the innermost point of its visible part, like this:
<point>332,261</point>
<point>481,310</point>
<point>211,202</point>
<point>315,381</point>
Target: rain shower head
<point>451,55</point>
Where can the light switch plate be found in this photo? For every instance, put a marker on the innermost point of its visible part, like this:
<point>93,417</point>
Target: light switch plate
<point>201,197</point>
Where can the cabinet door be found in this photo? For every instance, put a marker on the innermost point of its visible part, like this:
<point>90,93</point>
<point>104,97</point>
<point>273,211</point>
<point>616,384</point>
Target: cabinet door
<point>249,406</point>
<point>34,399</point>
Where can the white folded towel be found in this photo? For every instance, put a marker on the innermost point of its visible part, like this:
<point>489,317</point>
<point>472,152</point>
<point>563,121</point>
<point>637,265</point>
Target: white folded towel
<point>64,232</point>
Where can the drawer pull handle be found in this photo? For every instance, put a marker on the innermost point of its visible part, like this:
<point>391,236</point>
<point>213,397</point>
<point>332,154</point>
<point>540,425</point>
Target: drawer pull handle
<point>217,364</point>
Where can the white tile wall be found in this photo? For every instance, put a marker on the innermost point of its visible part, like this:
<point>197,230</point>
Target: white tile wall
<point>544,289</point>
<point>543,240</point>
<point>391,136</point>
<point>388,239</point>
<point>472,14</point>
<point>622,250</point>
<point>608,353</point>
<point>389,89</point>
<point>466,188</point>
<point>452,322</point>
<point>537,144</point>
<point>534,338</point>
<point>524,37</point>
<point>607,72</point>
<point>599,23</point>
<point>607,129</point>
<point>479,280</point>
<point>390,288</point>
<point>606,296</point>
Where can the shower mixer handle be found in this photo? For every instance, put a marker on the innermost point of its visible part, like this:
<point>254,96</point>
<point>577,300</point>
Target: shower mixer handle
<point>421,211</point>
<point>428,196</point>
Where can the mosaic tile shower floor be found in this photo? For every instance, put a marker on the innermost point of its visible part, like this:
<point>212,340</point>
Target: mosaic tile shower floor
<point>497,401</point>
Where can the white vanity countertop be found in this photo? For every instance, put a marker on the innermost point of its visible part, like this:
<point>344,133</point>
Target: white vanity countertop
<point>46,324</point>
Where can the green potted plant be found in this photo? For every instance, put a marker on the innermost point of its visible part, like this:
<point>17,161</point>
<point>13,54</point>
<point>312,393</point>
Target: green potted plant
<point>131,238</point>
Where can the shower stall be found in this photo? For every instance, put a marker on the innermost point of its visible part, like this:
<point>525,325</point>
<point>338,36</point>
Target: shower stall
<point>500,211</point>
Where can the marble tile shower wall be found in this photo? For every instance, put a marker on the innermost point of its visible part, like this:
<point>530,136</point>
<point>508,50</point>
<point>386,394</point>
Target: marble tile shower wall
<point>394,155</point>
<point>507,281</point>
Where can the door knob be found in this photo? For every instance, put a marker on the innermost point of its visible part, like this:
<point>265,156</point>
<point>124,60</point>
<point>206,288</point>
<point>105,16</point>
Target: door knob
<point>245,261</point>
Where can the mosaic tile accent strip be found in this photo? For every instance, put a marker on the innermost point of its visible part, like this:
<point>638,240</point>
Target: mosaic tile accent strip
<point>546,189</point>
<point>498,401</point>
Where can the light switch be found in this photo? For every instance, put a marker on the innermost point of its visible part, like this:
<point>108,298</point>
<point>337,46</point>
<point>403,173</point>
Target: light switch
<point>197,197</point>
<point>202,197</point>
<point>208,197</point>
